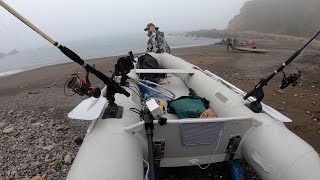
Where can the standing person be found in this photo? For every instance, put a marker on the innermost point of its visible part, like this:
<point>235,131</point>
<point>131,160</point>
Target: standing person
<point>235,42</point>
<point>156,42</point>
<point>229,43</point>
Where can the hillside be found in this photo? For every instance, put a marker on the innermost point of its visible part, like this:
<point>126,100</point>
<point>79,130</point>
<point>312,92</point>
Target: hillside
<point>291,17</point>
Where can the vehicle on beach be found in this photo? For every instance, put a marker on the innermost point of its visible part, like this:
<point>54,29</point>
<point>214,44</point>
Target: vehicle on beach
<point>138,125</point>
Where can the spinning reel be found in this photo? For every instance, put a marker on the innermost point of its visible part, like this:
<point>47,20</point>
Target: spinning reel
<point>81,87</point>
<point>291,79</point>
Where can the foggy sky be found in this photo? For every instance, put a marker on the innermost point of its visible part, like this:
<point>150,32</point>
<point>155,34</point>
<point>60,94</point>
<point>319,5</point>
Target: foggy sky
<point>68,20</point>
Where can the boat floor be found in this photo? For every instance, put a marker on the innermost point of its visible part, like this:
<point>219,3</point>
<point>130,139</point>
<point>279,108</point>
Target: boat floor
<point>178,87</point>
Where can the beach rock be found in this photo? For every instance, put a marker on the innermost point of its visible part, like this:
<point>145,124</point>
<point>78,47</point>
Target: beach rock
<point>315,119</point>
<point>47,158</point>
<point>12,173</point>
<point>10,112</point>
<point>61,128</point>
<point>279,91</point>
<point>48,148</point>
<point>64,168</point>
<point>51,109</point>
<point>36,124</point>
<point>308,112</point>
<point>78,140</point>
<point>281,109</point>
<point>313,86</point>
<point>2,125</point>
<point>36,178</point>
<point>36,92</point>
<point>52,163</point>
<point>67,159</point>
<point>44,176</point>
<point>295,95</point>
<point>32,120</point>
<point>8,130</point>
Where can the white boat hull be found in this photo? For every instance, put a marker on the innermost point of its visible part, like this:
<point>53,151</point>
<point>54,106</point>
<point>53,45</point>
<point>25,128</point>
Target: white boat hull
<point>115,148</point>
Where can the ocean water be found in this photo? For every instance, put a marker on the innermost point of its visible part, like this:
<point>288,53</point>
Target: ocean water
<point>88,49</point>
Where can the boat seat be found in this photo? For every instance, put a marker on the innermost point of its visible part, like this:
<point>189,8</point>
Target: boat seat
<point>166,71</point>
<point>195,138</point>
<point>184,137</point>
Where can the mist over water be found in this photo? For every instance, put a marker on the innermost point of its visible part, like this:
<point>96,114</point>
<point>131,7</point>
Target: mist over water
<point>88,49</point>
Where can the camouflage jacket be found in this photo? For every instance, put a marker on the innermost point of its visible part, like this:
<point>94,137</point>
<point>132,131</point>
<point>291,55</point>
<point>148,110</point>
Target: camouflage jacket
<point>157,43</point>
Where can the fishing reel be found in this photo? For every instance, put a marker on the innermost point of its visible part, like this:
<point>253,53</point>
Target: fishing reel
<point>81,87</point>
<point>291,79</point>
<point>122,68</point>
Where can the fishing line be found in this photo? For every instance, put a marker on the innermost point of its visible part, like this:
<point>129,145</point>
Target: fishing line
<point>64,88</point>
<point>6,30</point>
<point>147,172</point>
<point>12,36</point>
<point>15,38</point>
<point>130,87</point>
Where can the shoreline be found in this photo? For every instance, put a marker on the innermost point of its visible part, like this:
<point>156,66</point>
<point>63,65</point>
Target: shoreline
<point>19,70</point>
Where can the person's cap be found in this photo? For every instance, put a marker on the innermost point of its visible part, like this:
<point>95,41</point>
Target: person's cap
<point>148,26</point>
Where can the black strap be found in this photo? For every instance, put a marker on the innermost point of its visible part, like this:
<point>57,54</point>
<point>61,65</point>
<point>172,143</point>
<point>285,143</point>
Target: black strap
<point>157,39</point>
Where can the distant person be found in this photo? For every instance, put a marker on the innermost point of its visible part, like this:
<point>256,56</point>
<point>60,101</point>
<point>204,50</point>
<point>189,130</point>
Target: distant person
<point>156,42</point>
<point>235,42</point>
<point>229,43</point>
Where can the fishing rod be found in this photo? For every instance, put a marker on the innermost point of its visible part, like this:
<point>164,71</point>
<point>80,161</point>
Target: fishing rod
<point>257,91</point>
<point>122,67</point>
<point>113,87</point>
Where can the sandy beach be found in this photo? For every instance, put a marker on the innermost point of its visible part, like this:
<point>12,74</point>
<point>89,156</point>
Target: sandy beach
<point>42,141</point>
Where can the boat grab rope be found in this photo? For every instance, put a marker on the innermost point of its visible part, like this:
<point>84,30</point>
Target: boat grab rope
<point>214,152</point>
